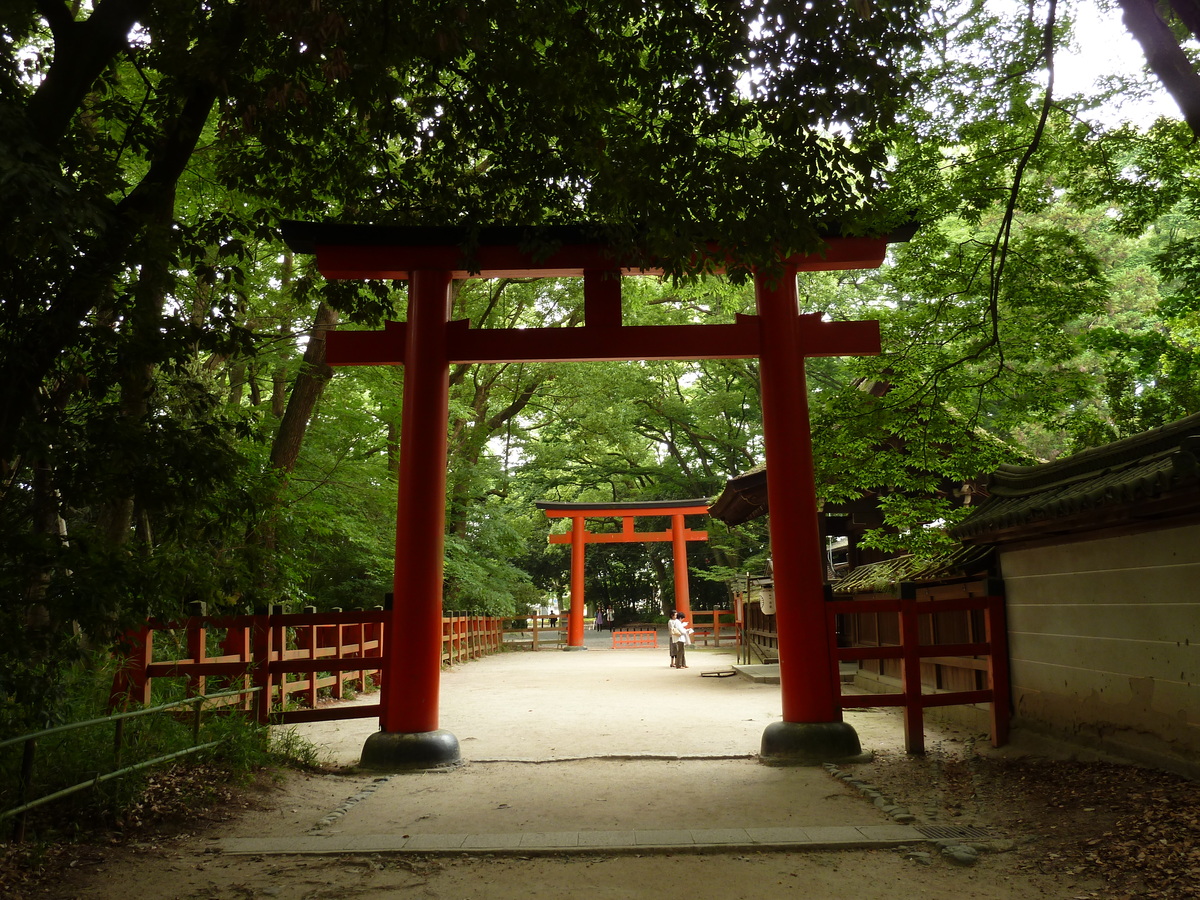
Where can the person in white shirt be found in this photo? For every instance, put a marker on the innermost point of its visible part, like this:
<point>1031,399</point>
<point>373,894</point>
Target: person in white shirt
<point>678,628</point>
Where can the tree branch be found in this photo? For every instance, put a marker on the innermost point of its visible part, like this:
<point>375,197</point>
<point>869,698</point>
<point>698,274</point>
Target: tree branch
<point>82,50</point>
<point>1164,56</point>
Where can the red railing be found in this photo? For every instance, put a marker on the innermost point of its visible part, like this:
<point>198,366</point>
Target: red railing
<point>534,632</point>
<point>993,649</point>
<point>293,657</point>
<point>470,637</point>
<point>714,625</point>
<point>627,638</point>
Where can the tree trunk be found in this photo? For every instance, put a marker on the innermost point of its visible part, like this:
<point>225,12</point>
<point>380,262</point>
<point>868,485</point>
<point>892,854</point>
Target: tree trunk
<point>83,49</point>
<point>307,390</point>
<point>1164,55</point>
<point>665,581</point>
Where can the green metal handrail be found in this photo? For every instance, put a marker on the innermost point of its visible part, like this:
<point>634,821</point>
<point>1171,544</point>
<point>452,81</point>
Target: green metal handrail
<point>30,742</point>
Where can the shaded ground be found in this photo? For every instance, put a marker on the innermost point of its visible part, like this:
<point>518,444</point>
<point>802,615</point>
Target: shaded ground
<point>1102,829</point>
<point>569,740</point>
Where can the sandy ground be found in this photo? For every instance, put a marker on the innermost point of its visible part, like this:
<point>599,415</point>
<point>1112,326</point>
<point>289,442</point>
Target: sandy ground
<point>557,741</point>
<point>557,705</point>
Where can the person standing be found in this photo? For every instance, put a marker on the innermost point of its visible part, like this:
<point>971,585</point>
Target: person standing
<point>672,628</point>
<point>679,630</point>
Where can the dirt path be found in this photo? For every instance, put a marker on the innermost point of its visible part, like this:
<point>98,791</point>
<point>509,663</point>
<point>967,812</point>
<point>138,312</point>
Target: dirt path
<point>612,741</point>
<point>555,705</point>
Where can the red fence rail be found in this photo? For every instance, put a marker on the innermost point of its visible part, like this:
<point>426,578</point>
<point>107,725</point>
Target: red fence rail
<point>293,657</point>
<point>469,637</point>
<point>714,625</point>
<point>533,632</point>
<point>994,650</point>
<point>633,637</point>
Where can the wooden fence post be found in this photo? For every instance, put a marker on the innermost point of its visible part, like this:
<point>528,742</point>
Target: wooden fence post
<point>377,633</point>
<point>358,631</point>
<point>130,682</point>
<point>338,644</point>
<point>237,643</point>
<point>910,671</point>
<point>197,645</point>
<point>279,649</point>
<point>306,639</point>
<point>831,633</point>
<point>261,655</point>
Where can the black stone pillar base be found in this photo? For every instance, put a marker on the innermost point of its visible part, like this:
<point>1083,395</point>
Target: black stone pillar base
<point>810,744</point>
<point>397,751</point>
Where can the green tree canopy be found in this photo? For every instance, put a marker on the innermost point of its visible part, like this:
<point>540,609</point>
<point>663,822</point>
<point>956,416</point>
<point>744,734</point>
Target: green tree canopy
<point>169,430</point>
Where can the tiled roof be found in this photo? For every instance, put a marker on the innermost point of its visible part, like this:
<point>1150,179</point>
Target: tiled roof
<point>744,497</point>
<point>887,573</point>
<point>1150,474</point>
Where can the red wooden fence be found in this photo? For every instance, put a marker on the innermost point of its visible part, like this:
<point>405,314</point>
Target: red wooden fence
<point>993,649</point>
<point>714,625</point>
<point>470,637</point>
<point>293,657</point>
<point>632,637</point>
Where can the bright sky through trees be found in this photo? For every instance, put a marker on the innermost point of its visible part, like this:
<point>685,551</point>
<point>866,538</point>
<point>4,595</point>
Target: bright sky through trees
<point>1104,48</point>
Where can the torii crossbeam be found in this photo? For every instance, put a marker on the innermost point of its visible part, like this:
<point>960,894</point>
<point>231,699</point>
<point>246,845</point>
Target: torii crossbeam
<point>427,344</point>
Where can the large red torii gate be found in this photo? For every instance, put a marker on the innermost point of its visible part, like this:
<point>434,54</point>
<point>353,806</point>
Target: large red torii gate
<point>427,344</point>
<point>578,537</point>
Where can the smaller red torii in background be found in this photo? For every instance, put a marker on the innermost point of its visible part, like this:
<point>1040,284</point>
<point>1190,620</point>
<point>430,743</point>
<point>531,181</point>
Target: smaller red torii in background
<point>578,537</point>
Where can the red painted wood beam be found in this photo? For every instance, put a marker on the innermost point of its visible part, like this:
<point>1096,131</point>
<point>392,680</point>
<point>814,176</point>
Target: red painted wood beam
<point>638,537</point>
<point>575,617</point>
<point>598,513</point>
<point>414,644</point>
<point>598,343</point>
<point>603,343</point>
<point>367,348</point>
<point>354,260</point>
<point>683,601</point>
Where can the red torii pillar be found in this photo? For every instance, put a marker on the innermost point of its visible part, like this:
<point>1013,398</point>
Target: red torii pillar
<point>812,729</point>
<point>421,483</point>
<point>429,258</point>
<point>578,537</point>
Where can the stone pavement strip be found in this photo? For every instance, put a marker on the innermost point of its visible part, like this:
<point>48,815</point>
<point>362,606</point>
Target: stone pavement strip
<point>838,837</point>
<point>534,718</point>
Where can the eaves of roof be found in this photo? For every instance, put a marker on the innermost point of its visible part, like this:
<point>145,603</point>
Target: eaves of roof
<point>1149,475</point>
<point>887,574</point>
<point>743,498</point>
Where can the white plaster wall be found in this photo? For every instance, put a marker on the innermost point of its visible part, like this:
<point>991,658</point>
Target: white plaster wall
<point>1104,641</point>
